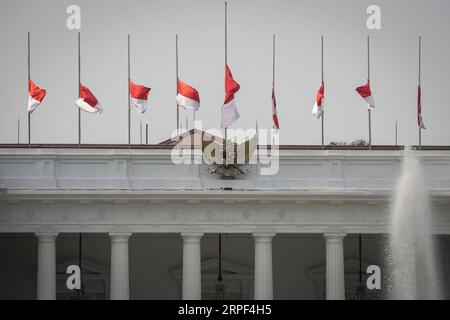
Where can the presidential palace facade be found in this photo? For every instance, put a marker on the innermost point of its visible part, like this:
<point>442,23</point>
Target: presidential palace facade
<point>143,227</point>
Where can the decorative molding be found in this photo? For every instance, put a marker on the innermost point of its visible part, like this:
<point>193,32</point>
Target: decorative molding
<point>314,191</point>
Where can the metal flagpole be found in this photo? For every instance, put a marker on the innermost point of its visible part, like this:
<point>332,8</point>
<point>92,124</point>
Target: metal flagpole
<point>323,110</point>
<point>146,133</point>
<point>273,84</point>
<point>18,130</point>
<point>140,131</point>
<point>420,83</point>
<point>396,133</point>
<point>129,103</point>
<point>79,88</point>
<point>368,80</point>
<point>226,62</point>
<point>29,77</point>
<point>193,130</point>
<point>273,63</point>
<point>176,67</point>
<point>257,142</point>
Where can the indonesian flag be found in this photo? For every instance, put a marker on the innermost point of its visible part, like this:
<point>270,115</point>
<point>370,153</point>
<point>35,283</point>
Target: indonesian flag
<point>366,93</point>
<point>187,96</point>
<point>230,113</point>
<point>35,96</point>
<point>274,110</point>
<point>87,101</point>
<point>318,108</point>
<point>419,108</point>
<point>139,97</point>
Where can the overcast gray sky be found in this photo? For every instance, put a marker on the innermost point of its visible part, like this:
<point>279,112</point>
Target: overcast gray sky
<point>298,26</point>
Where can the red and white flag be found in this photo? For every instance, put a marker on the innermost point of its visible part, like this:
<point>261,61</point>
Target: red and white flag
<point>419,109</point>
<point>187,96</point>
<point>35,96</point>
<point>274,110</point>
<point>230,113</point>
<point>139,97</point>
<point>318,108</point>
<point>366,93</point>
<point>87,101</point>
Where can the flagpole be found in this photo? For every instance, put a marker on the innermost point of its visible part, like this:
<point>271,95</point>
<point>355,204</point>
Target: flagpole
<point>28,84</point>
<point>368,80</point>
<point>323,104</point>
<point>273,62</point>
<point>420,83</point>
<point>176,67</point>
<point>18,130</point>
<point>129,103</point>
<point>273,83</point>
<point>396,133</point>
<point>257,142</point>
<point>226,62</point>
<point>140,131</point>
<point>146,133</point>
<point>79,88</point>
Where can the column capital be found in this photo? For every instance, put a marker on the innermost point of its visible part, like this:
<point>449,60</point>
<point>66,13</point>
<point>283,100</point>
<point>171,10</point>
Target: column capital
<point>192,237</point>
<point>334,236</point>
<point>263,237</point>
<point>119,236</point>
<point>46,236</point>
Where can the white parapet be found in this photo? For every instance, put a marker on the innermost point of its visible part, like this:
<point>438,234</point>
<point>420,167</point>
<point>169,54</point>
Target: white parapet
<point>144,191</point>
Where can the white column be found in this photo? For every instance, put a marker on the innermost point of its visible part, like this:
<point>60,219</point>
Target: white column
<point>335,282</point>
<point>120,286</point>
<point>263,266</point>
<point>46,269</point>
<point>192,275</point>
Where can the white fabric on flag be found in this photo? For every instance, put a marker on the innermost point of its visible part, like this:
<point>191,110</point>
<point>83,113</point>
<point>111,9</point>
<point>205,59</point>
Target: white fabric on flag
<point>187,103</point>
<point>87,107</point>
<point>230,114</point>
<point>140,104</point>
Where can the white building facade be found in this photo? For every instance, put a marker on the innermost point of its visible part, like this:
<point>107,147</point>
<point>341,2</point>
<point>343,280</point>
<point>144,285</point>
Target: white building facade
<point>144,217</point>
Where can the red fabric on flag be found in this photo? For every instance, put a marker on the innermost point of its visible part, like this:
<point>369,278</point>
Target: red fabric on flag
<point>274,110</point>
<point>419,108</point>
<point>36,92</point>
<point>320,94</point>
<point>231,86</point>
<point>138,92</point>
<point>364,91</point>
<point>88,96</point>
<point>188,91</point>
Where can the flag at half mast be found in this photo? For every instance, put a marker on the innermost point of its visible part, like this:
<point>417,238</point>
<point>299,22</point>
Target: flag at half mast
<point>318,108</point>
<point>230,113</point>
<point>87,101</point>
<point>35,96</point>
<point>187,96</point>
<point>365,92</point>
<point>139,97</point>
<point>276,125</point>
<point>419,109</point>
